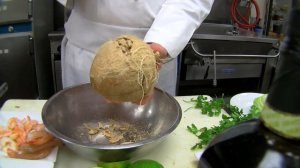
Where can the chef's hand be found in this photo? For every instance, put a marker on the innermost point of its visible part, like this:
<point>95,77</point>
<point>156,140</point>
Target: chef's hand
<point>162,54</point>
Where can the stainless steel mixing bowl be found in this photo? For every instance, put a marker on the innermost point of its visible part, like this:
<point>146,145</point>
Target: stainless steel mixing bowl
<point>65,112</point>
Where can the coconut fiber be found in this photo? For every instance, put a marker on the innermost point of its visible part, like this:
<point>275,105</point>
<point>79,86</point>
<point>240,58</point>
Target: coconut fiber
<point>124,69</point>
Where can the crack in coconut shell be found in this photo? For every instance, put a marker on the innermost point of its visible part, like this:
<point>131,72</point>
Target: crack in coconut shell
<point>124,69</point>
<point>125,44</point>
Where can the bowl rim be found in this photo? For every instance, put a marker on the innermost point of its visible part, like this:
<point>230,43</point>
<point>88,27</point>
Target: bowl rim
<point>68,140</point>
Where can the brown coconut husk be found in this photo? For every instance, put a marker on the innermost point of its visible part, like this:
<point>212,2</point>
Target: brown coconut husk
<point>124,69</point>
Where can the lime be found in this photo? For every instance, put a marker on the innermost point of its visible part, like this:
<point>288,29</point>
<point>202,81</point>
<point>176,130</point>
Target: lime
<point>146,163</point>
<point>120,164</point>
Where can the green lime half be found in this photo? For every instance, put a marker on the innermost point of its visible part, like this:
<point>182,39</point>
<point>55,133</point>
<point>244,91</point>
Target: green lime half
<point>120,164</point>
<point>146,163</point>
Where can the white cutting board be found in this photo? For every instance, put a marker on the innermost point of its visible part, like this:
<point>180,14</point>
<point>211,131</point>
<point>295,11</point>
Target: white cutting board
<point>175,151</point>
<point>6,162</point>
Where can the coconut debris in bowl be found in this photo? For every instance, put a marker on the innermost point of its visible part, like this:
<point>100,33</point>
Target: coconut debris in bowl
<point>112,132</point>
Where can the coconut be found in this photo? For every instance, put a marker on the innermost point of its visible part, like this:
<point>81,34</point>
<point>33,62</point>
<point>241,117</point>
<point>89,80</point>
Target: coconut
<point>124,69</point>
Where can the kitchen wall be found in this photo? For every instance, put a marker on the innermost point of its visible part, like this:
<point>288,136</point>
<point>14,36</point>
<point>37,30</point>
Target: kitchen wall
<point>279,16</point>
<point>220,12</point>
<point>263,7</point>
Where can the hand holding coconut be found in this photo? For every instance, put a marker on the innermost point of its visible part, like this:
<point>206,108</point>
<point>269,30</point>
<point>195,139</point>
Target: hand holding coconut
<point>125,69</point>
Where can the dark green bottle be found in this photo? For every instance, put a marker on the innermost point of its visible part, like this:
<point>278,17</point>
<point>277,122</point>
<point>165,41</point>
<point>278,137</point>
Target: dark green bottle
<point>282,110</point>
<point>273,141</point>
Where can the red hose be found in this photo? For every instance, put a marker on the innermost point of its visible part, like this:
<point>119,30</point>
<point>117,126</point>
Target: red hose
<point>243,21</point>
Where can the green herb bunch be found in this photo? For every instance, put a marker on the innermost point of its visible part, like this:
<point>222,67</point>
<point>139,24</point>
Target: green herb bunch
<point>236,116</point>
<point>210,108</point>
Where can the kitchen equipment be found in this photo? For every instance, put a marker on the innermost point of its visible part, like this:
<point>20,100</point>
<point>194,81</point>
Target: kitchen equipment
<point>55,43</point>
<point>273,140</point>
<point>24,48</point>
<point>67,110</point>
<point>222,60</point>
<point>250,145</point>
<point>17,66</point>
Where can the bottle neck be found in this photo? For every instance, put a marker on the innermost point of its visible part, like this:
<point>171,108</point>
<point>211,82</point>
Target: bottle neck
<point>284,93</point>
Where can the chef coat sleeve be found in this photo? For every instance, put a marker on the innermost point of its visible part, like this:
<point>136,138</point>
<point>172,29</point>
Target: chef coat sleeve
<point>67,3</point>
<point>176,22</point>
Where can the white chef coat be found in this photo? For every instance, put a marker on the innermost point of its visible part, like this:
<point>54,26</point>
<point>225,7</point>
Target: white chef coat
<point>170,23</point>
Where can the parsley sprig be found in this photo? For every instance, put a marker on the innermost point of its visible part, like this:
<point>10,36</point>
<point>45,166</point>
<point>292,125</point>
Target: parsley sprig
<point>205,135</point>
<point>209,107</point>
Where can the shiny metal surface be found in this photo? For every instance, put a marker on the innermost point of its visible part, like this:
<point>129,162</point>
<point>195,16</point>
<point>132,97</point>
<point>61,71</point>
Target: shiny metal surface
<point>220,38</point>
<point>17,66</point>
<point>67,110</point>
<point>227,32</point>
<point>3,88</point>
<point>223,52</point>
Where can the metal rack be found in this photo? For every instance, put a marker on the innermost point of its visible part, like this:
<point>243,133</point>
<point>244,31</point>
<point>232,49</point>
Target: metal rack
<point>217,62</point>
